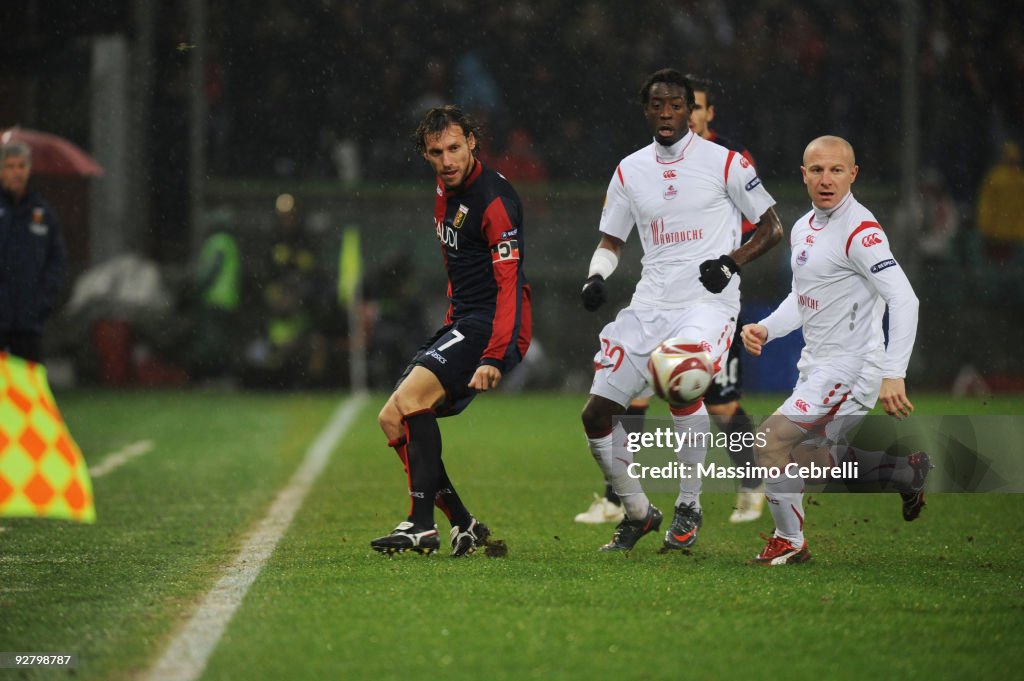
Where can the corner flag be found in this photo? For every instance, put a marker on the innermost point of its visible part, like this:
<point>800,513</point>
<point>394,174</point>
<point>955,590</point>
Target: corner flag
<point>42,472</point>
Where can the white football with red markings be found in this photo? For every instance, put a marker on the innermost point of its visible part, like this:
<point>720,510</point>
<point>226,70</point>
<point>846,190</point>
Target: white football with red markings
<point>680,371</point>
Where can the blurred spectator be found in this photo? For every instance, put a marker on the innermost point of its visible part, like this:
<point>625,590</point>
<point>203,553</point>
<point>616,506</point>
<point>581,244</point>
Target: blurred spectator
<point>520,162</point>
<point>33,258</point>
<point>291,350</point>
<point>217,285</point>
<point>938,218</point>
<point>394,317</point>
<point>1001,205</point>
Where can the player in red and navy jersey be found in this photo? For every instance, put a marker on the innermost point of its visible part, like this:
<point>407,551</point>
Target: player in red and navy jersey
<point>478,219</point>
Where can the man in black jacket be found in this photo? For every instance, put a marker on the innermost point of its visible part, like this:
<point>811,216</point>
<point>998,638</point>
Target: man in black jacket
<point>33,258</point>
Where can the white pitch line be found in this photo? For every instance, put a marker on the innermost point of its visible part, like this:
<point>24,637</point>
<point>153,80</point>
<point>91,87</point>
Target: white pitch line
<point>115,460</point>
<point>187,655</point>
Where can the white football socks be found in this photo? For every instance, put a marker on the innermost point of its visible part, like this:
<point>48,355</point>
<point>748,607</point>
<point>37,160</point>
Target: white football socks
<point>611,455</point>
<point>786,502</point>
<point>694,429</point>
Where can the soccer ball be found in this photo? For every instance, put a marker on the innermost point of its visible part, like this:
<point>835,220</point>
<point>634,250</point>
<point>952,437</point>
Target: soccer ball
<point>680,371</point>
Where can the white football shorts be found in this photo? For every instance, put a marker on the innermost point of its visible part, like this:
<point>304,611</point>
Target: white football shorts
<point>823,403</point>
<point>620,366</point>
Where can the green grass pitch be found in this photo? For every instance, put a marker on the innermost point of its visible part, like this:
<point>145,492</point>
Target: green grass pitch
<point>942,597</point>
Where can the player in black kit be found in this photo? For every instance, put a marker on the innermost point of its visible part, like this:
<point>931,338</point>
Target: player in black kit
<point>478,218</point>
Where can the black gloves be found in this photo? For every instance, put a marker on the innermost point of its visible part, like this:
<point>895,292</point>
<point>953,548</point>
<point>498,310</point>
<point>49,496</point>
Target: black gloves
<point>594,293</point>
<point>716,274</point>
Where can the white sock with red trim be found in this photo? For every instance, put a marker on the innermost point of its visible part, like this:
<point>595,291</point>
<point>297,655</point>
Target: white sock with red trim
<point>874,466</point>
<point>611,455</point>
<point>786,502</point>
<point>693,425</point>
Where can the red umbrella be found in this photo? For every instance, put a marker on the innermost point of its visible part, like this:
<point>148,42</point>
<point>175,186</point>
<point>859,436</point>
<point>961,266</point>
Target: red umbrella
<point>53,155</point>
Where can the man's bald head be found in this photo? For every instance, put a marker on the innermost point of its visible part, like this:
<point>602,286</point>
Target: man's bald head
<point>829,169</point>
<point>831,141</point>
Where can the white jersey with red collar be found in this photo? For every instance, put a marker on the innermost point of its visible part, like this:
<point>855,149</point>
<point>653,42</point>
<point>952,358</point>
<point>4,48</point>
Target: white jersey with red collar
<point>687,202</point>
<point>844,275</point>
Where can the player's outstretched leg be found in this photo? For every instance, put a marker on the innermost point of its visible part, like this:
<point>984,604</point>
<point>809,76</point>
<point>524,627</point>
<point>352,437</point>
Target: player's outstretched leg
<point>913,495</point>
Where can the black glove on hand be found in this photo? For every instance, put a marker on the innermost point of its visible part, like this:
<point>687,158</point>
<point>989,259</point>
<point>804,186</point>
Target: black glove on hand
<point>594,293</point>
<point>716,274</point>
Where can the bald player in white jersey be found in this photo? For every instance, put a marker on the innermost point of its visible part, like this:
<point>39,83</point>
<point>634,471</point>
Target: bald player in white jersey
<point>686,196</point>
<point>844,276</point>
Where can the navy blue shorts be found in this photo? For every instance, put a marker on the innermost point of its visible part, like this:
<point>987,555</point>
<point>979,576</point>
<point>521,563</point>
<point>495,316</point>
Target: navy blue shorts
<point>728,384</point>
<point>453,355</point>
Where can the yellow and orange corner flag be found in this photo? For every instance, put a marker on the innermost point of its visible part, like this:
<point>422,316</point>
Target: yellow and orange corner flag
<point>42,472</point>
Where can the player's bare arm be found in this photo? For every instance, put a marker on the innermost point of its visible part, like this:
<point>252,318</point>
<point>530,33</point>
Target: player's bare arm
<point>716,274</point>
<point>893,396</point>
<point>485,377</point>
<point>767,234</point>
<point>611,243</point>
<point>603,263</point>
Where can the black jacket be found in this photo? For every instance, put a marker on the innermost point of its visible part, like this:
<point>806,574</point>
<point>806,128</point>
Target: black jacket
<point>33,262</point>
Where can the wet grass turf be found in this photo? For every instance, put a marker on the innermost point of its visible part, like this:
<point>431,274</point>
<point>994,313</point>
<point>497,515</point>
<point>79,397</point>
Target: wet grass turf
<point>942,597</point>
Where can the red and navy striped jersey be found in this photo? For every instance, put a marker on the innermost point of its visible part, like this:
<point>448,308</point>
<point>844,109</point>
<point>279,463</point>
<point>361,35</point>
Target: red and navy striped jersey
<point>480,227</point>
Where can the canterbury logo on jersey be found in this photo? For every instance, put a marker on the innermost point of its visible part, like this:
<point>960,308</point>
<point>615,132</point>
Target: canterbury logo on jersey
<point>505,250</point>
<point>870,240</point>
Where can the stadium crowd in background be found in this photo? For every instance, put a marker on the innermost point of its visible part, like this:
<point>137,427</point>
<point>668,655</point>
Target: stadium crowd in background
<point>310,90</point>
<point>582,52</point>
